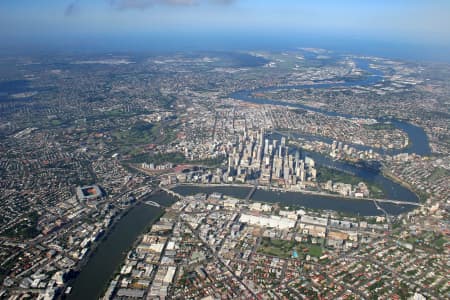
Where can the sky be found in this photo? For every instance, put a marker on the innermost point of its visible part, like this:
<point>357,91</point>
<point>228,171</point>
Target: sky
<point>213,24</point>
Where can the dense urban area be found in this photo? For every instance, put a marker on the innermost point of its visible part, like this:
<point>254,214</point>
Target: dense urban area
<point>87,140</point>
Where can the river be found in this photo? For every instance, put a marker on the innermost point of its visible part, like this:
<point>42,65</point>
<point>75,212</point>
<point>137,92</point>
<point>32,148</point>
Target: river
<point>417,136</point>
<point>298,199</point>
<point>420,144</point>
<point>391,189</point>
<point>110,253</point>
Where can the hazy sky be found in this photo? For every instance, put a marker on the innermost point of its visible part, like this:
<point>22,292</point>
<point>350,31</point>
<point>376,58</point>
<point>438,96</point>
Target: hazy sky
<point>412,21</point>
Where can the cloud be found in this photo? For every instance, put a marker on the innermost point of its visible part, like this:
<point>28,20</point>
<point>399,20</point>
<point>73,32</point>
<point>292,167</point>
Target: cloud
<point>144,4</point>
<point>72,9</point>
<point>225,2</point>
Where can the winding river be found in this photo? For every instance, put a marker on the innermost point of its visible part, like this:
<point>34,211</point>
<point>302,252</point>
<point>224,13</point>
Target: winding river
<point>112,250</point>
<point>417,135</point>
<point>107,258</point>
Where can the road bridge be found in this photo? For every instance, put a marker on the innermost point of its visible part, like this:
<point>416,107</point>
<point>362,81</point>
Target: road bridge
<point>251,192</point>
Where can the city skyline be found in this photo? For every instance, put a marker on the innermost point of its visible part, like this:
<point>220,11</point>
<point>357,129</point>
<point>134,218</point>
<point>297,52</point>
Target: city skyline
<point>224,149</point>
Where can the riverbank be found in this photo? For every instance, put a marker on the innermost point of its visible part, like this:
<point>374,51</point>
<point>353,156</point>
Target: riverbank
<point>132,246</point>
<point>102,263</point>
<point>299,200</point>
<point>420,195</point>
<point>417,138</point>
<point>325,174</point>
<point>297,191</point>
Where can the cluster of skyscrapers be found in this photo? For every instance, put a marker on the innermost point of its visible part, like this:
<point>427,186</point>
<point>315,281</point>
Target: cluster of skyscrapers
<point>255,157</point>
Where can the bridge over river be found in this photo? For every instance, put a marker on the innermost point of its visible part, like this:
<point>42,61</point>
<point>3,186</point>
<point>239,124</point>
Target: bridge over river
<point>255,187</point>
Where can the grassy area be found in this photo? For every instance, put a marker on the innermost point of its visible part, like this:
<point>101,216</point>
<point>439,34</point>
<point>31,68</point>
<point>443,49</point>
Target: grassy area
<point>166,101</point>
<point>139,133</point>
<point>55,122</point>
<point>438,173</point>
<point>212,162</point>
<point>279,248</point>
<point>26,228</point>
<point>434,240</point>
<point>131,140</point>
<point>375,191</point>
<point>314,250</point>
<point>160,158</point>
<point>324,174</point>
<point>440,242</point>
<point>423,196</point>
<point>285,249</point>
<point>164,134</point>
